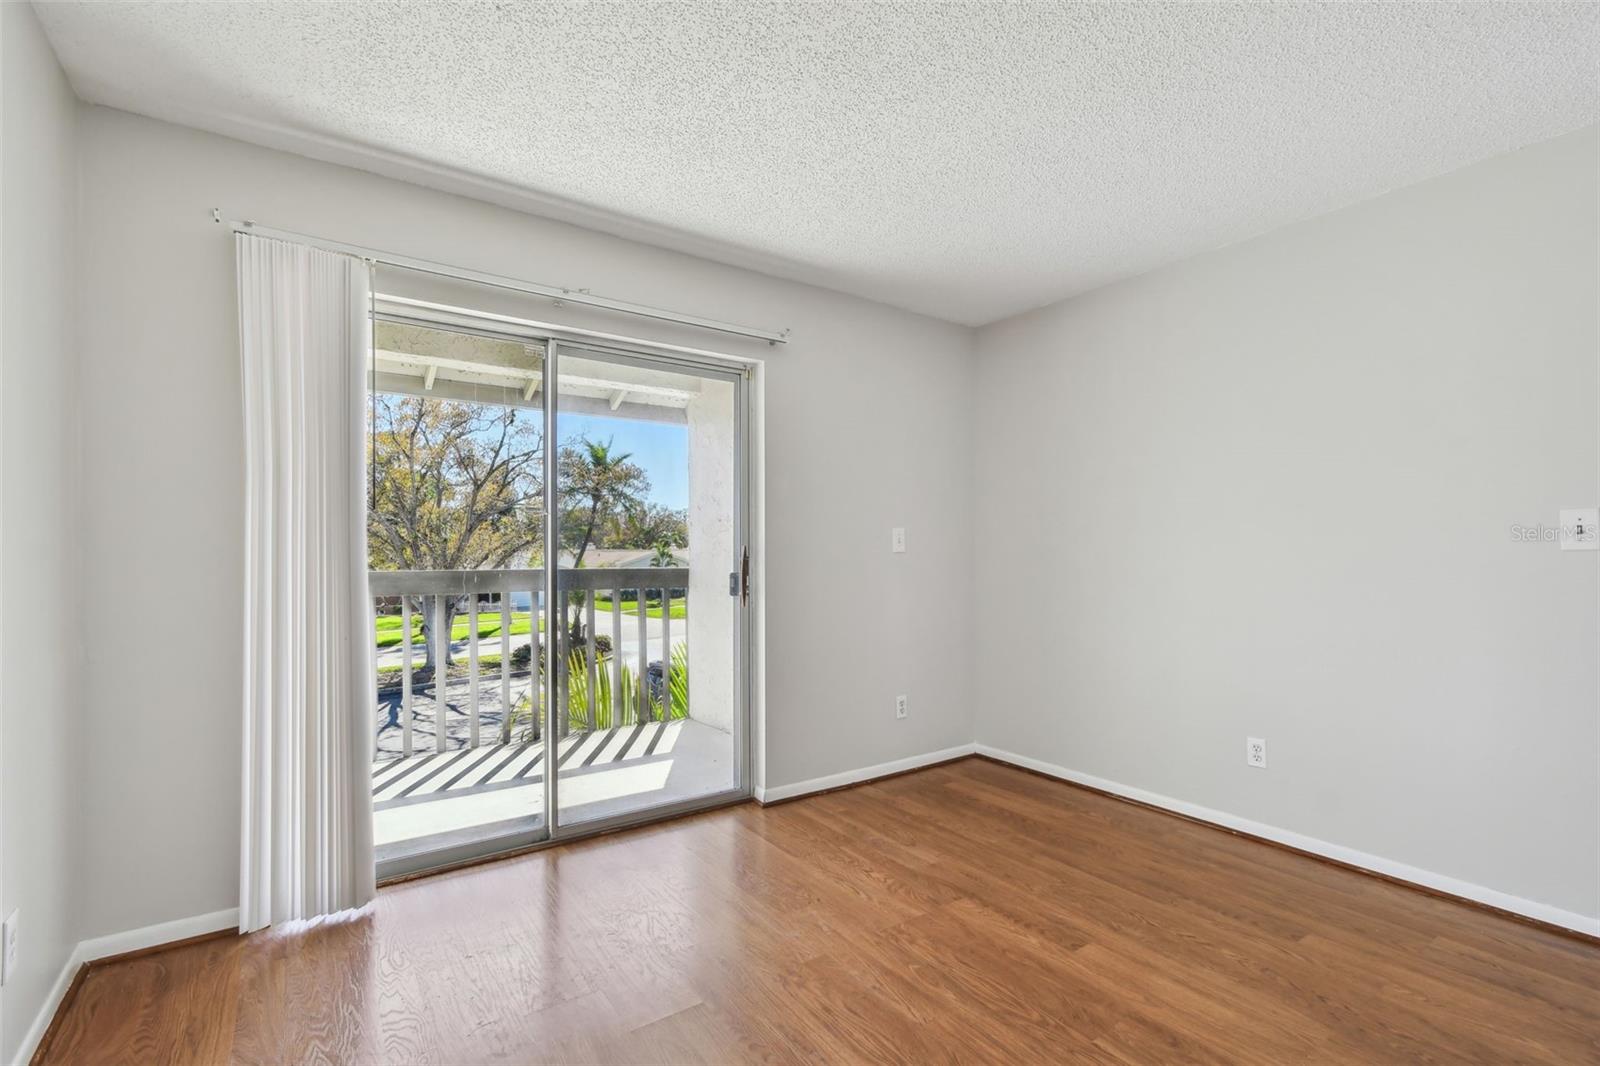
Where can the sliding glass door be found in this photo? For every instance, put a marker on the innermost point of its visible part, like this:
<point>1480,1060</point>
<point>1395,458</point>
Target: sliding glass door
<point>457,523</point>
<point>648,506</point>
<point>557,532</point>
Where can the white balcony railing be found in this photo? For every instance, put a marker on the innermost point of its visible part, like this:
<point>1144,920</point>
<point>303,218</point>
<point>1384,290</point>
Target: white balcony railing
<point>607,675</point>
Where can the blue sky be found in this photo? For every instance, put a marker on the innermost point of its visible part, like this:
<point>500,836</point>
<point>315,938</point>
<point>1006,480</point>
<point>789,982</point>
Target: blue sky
<point>662,448</point>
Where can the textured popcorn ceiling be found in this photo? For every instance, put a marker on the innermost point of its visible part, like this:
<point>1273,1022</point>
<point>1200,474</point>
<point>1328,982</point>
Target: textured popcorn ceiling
<point>969,161</point>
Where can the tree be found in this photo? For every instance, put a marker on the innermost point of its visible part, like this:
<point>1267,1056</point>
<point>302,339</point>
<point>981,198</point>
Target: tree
<point>596,484</point>
<point>454,486</point>
<point>663,559</point>
<point>647,525</point>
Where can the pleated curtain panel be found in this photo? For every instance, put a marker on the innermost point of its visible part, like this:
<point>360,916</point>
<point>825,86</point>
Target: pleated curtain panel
<point>304,335</point>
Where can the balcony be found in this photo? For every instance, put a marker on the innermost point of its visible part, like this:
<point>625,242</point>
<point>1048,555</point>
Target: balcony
<point>463,758</point>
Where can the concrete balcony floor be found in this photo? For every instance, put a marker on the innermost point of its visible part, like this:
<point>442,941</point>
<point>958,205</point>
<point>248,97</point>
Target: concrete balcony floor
<point>430,798</point>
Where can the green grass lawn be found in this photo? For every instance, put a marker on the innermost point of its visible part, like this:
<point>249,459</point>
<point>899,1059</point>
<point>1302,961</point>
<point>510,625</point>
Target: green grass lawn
<point>680,609</point>
<point>388,625</point>
<point>488,626</point>
<point>488,670</point>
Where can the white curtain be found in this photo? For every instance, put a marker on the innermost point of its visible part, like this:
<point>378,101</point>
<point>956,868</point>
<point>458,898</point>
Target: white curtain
<point>304,334</point>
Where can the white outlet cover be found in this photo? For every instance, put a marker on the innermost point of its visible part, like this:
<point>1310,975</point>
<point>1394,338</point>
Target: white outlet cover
<point>1580,529</point>
<point>1255,752</point>
<point>899,706</point>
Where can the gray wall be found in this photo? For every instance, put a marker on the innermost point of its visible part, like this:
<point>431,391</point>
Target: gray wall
<point>1269,491</point>
<point>42,640</point>
<point>865,430</point>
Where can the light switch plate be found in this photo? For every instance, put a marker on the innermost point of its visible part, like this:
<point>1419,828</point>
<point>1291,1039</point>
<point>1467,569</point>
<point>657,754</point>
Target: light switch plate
<point>897,539</point>
<point>1580,529</point>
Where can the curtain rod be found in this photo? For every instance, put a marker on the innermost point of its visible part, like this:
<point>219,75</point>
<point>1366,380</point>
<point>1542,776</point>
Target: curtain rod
<point>559,295</point>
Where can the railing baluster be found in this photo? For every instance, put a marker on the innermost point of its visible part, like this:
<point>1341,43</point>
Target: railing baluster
<point>505,665</point>
<point>619,711</point>
<point>405,675</point>
<point>441,654</point>
<point>558,642</point>
<point>666,654</point>
<point>472,670</point>
<point>536,665</point>
<point>590,655</point>
<point>644,656</point>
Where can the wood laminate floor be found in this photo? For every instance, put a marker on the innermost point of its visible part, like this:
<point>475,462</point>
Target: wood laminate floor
<point>966,913</point>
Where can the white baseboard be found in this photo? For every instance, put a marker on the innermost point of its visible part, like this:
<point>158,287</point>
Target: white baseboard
<point>1428,879</point>
<point>865,773</point>
<point>103,947</point>
<point>47,1010</point>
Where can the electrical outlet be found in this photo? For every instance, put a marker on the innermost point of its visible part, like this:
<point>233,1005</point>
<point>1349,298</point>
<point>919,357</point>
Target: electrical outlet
<point>1255,752</point>
<point>899,706</point>
<point>897,539</point>
<point>8,947</point>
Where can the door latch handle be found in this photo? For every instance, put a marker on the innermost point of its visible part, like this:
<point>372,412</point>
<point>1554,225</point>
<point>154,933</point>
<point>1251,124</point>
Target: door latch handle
<point>744,576</point>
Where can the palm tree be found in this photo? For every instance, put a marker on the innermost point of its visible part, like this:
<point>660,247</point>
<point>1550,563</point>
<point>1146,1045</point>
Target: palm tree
<point>603,482</point>
<point>663,557</point>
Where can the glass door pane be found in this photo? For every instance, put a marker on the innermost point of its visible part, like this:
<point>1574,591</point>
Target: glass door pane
<point>648,503</point>
<point>456,528</point>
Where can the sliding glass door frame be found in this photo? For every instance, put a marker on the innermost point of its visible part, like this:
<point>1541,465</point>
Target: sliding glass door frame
<point>552,590</point>
<point>737,373</point>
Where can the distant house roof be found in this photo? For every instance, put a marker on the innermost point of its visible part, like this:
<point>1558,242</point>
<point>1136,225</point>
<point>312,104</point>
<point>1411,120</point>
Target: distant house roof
<point>620,558</point>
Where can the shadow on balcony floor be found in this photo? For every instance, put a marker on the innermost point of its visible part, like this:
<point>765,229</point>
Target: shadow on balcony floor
<point>425,799</point>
